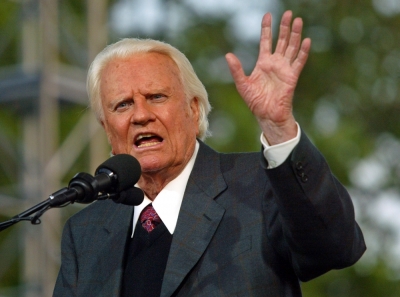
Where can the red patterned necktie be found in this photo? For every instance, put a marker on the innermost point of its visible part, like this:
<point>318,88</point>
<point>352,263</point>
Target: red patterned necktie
<point>149,218</point>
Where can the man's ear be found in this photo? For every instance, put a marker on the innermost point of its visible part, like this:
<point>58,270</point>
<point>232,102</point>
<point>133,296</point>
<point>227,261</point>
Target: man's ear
<point>195,108</point>
<point>102,124</point>
<point>105,130</point>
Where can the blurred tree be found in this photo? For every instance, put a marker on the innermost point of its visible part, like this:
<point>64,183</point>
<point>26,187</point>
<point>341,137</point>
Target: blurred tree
<point>45,130</point>
<point>347,101</point>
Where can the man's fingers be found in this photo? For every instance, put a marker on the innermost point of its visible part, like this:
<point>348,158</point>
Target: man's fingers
<point>302,56</point>
<point>284,33</point>
<point>266,34</point>
<point>295,40</point>
<point>236,69</point>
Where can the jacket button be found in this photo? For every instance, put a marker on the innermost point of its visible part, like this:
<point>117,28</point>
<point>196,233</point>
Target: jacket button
<point>299,165</point>
<point>304,177</point>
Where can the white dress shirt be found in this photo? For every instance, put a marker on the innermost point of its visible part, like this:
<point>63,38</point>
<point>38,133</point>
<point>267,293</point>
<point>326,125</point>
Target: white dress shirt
<point>168,202</point>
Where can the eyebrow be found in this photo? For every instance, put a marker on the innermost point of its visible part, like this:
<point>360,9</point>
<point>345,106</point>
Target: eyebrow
<point>116,101</point>
<point>162,90</point>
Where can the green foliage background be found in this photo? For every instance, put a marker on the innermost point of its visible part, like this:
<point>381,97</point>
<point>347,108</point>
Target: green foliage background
<point>347,101</point>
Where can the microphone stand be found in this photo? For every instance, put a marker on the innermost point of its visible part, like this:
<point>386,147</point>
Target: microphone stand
<point>42,207</point>
<point>79,186</point>
<point>66,196</point>
<point>84,188</point>
<point>39,209</point>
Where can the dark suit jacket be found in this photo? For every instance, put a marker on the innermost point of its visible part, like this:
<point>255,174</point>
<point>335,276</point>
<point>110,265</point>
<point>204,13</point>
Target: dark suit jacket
<point>242,231</point>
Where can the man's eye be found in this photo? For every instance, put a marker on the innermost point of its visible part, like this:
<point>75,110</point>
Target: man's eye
<point>123,105</point>
<point>158,96</point>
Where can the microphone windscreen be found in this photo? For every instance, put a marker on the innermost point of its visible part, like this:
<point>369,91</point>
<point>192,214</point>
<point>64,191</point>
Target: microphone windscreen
<point>126,167</point>
<point>132,196</point>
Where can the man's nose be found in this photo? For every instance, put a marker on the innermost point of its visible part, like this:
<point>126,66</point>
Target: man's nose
<point>142,112</point>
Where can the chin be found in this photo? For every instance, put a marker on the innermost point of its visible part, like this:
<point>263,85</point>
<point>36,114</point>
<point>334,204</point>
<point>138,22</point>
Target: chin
<point>150,164</point>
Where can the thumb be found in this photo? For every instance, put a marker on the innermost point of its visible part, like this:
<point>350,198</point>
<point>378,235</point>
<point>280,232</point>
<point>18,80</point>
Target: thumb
<point>236,69</point>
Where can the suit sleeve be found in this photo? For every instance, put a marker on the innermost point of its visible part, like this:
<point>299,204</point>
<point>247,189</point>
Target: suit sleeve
<point>315,229</point>
<point>66,284</point>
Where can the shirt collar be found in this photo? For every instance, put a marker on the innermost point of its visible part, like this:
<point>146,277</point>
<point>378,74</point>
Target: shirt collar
<point>168,202</point>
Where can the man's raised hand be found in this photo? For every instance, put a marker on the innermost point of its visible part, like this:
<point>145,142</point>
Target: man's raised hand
<point>269,89</point>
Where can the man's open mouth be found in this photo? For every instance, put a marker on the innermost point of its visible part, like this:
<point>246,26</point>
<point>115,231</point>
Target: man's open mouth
<point>146,140</point>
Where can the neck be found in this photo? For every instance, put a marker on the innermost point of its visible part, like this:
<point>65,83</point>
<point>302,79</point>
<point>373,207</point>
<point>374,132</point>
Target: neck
<point>152,183</point>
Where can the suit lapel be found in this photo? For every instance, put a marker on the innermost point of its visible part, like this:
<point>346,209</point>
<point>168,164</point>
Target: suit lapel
<point>198,220</point>
<point>119,217</point>
<point>117,227</point>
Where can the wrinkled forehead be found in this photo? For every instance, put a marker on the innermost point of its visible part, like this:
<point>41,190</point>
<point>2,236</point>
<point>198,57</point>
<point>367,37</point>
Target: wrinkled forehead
<point>145,72</point>
<point>138,61</point>
<point>154,65</point>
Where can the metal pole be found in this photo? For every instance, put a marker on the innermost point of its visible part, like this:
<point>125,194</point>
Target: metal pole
<point>41,154</point>
<point>40,143</point>
<point>97,40</point>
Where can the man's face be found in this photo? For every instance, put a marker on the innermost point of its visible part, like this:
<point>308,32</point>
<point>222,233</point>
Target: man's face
<point>146,113</point>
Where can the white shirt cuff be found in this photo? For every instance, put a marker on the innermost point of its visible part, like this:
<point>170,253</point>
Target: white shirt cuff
<point>277,154</point>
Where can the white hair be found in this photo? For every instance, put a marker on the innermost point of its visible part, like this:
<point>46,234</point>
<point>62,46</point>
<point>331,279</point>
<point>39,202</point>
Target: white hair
<point>126,47</point>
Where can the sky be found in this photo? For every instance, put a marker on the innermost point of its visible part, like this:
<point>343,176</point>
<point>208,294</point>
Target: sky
<point>150,15</point>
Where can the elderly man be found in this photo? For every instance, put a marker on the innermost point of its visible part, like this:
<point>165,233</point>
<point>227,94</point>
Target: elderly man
<point>245,224</point>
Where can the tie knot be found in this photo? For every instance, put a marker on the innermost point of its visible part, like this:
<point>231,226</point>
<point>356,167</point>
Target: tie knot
<point>149,218</point>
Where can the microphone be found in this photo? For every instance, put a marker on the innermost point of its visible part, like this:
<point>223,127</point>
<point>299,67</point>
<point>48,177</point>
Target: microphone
<point>133,196</point>
<point>114,179</point>
<point>115,176</point>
